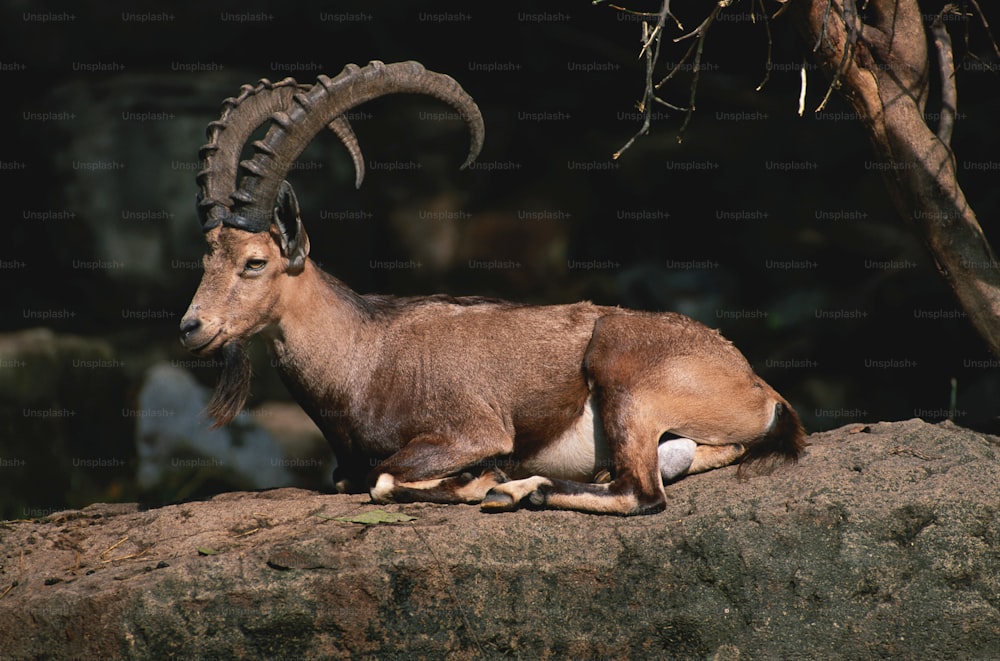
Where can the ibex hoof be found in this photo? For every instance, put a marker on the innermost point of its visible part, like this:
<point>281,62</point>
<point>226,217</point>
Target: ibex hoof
<point>382,492</point>
<point>496,501</point>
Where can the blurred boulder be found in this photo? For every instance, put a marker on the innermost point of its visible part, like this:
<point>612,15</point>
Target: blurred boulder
<point>307,454</point>
<point>180,456</point>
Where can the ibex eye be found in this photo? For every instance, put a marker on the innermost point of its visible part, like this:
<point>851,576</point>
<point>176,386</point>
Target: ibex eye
<point>254,264</point>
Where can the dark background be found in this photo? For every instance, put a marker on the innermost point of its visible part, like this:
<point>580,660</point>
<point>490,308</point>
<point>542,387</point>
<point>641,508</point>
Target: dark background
<point>772,227</point>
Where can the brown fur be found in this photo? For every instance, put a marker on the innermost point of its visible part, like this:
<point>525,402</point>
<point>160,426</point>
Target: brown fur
<point>417,395</point>
<point>425,389</point>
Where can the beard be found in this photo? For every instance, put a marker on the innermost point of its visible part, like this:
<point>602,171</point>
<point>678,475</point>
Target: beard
<point>234,385</point>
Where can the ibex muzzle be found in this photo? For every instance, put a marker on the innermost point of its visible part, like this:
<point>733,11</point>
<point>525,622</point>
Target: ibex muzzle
<point>446,399</point>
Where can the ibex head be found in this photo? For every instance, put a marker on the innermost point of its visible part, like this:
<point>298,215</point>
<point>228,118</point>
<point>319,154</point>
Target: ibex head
<point>256,242</point>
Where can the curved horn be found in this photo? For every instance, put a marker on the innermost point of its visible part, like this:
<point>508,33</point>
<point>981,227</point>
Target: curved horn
<point>344,131</point>
<point>240,117</point>
<point>309,112</point>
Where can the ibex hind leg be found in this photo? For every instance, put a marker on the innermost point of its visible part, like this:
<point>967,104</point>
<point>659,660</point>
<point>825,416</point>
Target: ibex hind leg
<point>698,385</point>
<point>682,456</point>
<point>636,487</point>
<point>710,457</point>
<point>730,412</point>
<point>652,374</point>
<point>624,365</point>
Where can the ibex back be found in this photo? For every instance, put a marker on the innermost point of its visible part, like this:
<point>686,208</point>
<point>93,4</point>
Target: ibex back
<point>454,400</point>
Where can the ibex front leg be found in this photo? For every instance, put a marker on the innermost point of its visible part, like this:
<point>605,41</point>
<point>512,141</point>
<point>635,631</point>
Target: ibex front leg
<point>441,468</point>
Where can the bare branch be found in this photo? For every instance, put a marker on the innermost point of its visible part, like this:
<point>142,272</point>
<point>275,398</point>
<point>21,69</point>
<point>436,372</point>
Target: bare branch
<point>803,79</point>
<point>986,26</point>
<point>851,22</point>
<point>884,77</point>
<point>822,32</point>
<point>770,44</point>
<point>702,33</point>
<point>880,66</point>
<point>946,61</point>
<point>648,37</point>
<point>651,41</point>
<point>677,67</point>
<point>707,23</point>
<point>695,75</point>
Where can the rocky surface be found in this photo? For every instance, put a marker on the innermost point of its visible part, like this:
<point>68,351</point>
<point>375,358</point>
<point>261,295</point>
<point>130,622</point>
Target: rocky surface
<point>883,542</point>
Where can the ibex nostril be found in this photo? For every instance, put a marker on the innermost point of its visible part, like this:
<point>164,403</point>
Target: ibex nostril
<point>188,326</point>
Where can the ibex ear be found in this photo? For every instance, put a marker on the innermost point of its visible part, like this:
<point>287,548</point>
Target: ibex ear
<point>288,228</point>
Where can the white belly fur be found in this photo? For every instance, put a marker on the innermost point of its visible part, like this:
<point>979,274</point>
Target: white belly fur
<point>578,454</point>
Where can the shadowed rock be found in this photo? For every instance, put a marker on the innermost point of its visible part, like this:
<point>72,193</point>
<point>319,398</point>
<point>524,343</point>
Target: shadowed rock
<point>881,542</point>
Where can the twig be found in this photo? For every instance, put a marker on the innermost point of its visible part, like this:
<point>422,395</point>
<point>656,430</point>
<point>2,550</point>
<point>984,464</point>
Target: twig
<point>131,556</point>
<point>649,14</point>
<point>676,68</point>
<point>949,91</point>
<point>248,532</point>
<point>707,23</point>
<point>655,36</point>
<point>114,546</point>
<point>802,89</point>
<point>626,10</point>
<point>9,588</point>
<point>902,449</point>
<point>695,76</point>
<point>651,41</point>
<point>986,26</point>
<point>644,105</point>
<point>702,33</point>
<point>767,29</point>
<point>822,29</point>
<point>850,22</point>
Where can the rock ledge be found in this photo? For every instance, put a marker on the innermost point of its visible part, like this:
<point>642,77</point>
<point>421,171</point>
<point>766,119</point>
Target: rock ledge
<point>884,542</point>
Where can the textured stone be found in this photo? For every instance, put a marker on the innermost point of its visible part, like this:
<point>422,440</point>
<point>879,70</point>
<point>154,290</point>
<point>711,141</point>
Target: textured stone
<point>881,543</point>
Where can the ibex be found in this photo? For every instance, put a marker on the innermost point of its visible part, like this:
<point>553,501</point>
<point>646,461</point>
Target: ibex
<point>454,400</point>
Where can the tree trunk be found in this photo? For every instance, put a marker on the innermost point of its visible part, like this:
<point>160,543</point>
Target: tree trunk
<point>884,75</point>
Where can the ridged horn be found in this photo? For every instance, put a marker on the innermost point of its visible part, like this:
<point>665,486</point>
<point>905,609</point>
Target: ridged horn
<point>294,127</point>
<point>241,116</point>
<point>343,129</point>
